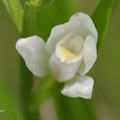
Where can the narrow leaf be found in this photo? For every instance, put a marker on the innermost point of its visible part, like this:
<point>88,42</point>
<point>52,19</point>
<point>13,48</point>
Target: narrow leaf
<point>15,10</point>
<point>102,16</point>
<point>8,107</point>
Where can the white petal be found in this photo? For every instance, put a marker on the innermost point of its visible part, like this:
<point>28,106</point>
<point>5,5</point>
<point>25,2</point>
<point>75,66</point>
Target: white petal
<point>80,86</point>
<point>33,51</point>
<point>90,55</point>
<point>86,23</point>
<point>79,24</point>
<point>61,71</point>
<point>58,32</point>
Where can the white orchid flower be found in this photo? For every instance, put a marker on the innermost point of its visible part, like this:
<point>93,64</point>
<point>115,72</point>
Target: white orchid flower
<point>69,54</point>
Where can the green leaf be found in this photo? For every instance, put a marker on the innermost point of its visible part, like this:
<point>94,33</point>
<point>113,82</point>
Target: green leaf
<point>74,108</point>
<point>7,103</point>
<point>101,18</point>
<point>63,108</point>
<point>15,10</point>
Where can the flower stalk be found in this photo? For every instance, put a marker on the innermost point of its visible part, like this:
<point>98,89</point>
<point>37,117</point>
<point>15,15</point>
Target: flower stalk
<point>48,88</point>
<point>29,26</point>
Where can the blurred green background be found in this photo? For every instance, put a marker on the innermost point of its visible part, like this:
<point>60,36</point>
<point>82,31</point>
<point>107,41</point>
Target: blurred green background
<point>106,71</point>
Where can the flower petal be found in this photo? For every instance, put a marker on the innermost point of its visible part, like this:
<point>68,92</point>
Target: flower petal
<point>80,86</point>
<point>90,55</point>
<point>58,32</point>
<point>86,23</point>
<point>55,36</point>
<point>79,24</point>
<point>61,71</point>
<point>33,51</point>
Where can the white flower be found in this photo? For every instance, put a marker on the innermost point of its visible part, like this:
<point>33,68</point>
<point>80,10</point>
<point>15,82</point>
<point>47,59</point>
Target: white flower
<point>70,52</point>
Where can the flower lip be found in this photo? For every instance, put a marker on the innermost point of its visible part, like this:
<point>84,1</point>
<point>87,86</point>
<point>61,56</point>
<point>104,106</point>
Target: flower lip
<point>66,54</point>
<point>80,86</point>
<point>69,49</point>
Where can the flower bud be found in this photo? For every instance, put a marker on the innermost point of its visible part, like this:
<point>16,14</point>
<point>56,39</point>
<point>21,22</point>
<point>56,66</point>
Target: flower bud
<point>38,4</point>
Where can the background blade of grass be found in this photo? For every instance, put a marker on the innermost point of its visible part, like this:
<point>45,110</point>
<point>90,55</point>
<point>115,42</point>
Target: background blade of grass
<point>8,104</point>
<point>15,10</point>
<point>74,108</point>
<point>102,16</point>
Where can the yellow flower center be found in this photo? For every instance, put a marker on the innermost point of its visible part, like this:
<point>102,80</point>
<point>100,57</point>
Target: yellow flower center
<point>66,54</point>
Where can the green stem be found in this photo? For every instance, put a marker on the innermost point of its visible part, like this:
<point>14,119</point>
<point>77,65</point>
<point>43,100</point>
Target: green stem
<point>47,88</point>
<point>25,86</point>
<point>29,25</point>
<point>29,22</point>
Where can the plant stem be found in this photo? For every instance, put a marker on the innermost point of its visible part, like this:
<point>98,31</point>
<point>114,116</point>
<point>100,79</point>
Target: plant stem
<point>48,87</point>
<point>29,25</point>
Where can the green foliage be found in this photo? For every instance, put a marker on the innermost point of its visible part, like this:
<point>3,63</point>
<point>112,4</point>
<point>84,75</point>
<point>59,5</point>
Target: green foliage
<point>8,104</point>
<point>102,16</point>
<point>15,10</point>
